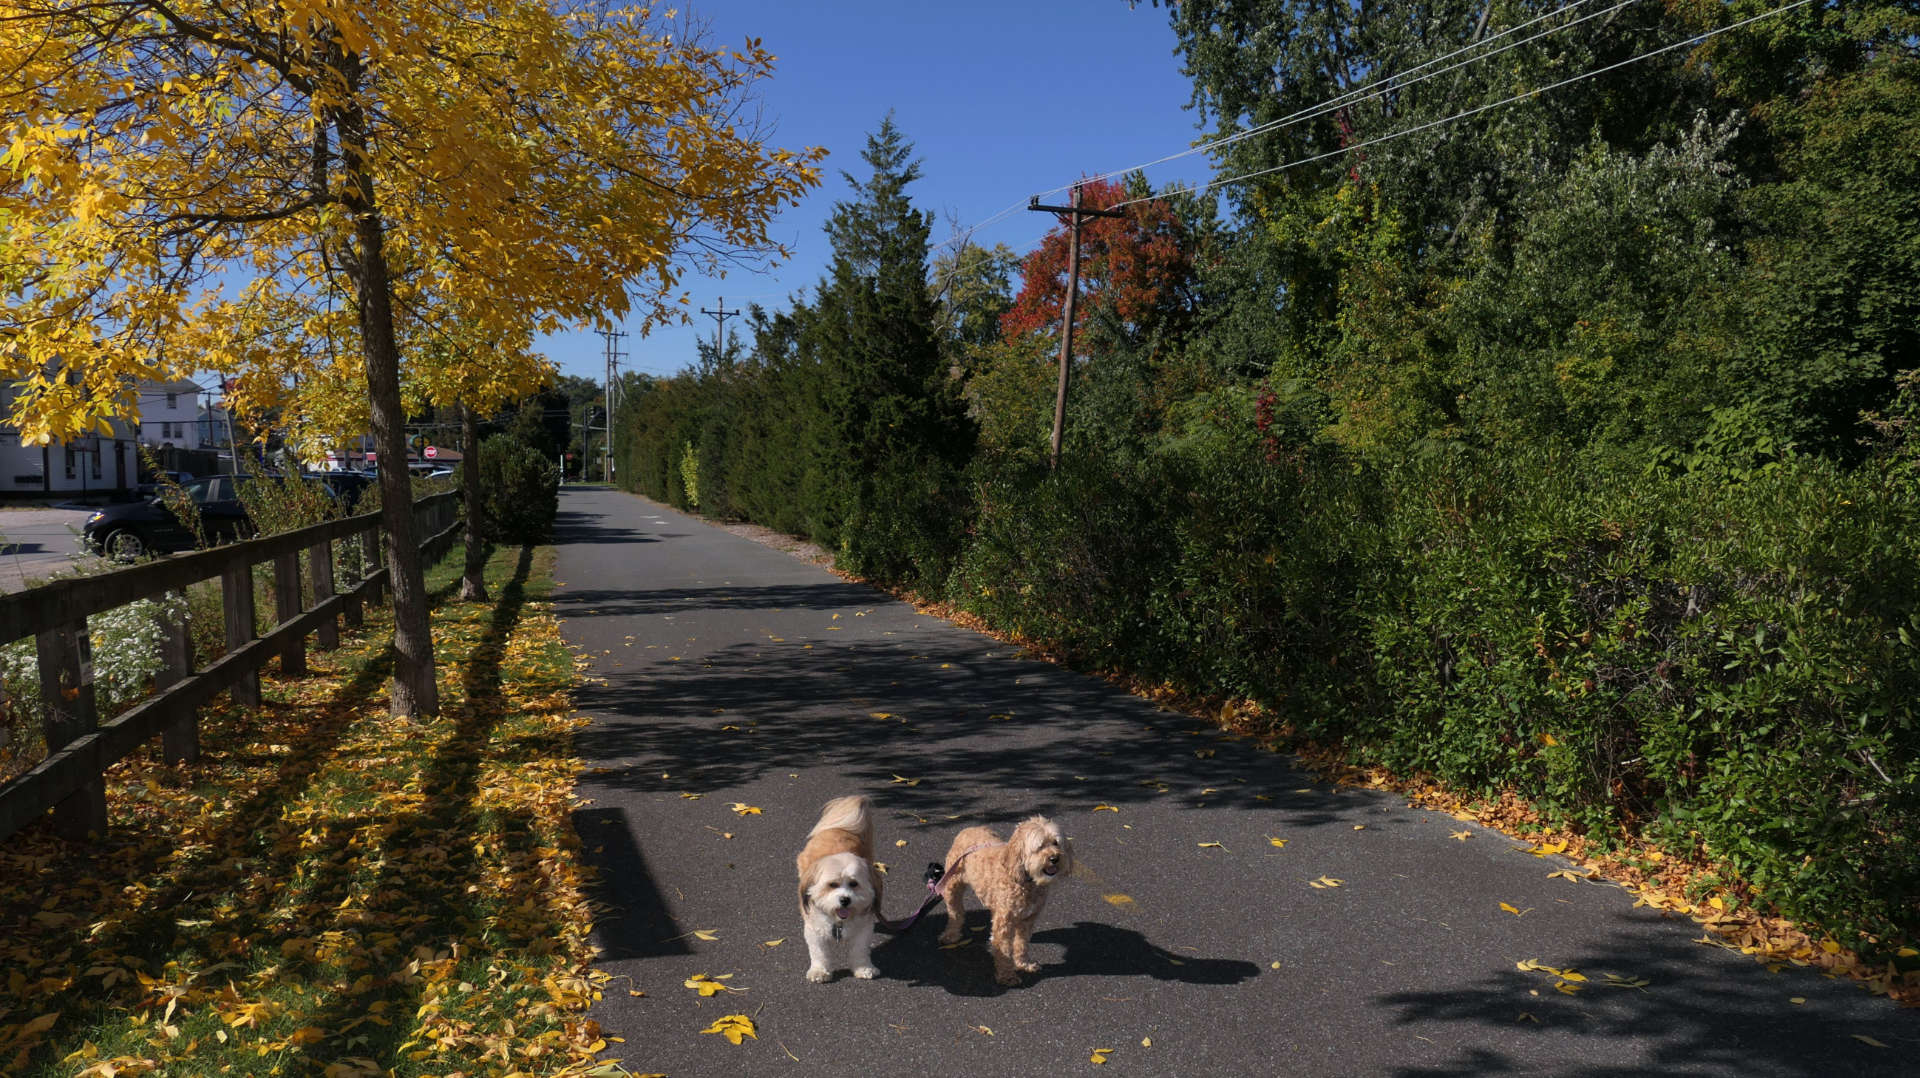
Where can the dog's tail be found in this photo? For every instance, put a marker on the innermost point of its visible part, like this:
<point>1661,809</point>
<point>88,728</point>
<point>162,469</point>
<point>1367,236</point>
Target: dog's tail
<point>853,814</point>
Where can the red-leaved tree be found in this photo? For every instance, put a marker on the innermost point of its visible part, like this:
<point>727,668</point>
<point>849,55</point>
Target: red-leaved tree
<point>1136,272</point>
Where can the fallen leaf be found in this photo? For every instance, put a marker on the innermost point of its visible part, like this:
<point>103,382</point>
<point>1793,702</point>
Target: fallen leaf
<point>982,1030</point>
<point>709,986</point>
<point>1516,912</point>
<point>693,797</point>
<point>1146,1042</point>
<point>1797,1000</point>
<point>1325,882</point>
<point>900,842</point>
<point>1523,1016</point>
<point>1866,1040</point>
<point>1119,899</point>
<point>1278,843</point>
<point>744,809</point>
<point>1100,1054</point>
<point>733,1027</point>
<point>906,781</point>
<point>1359,827</point>
<point>1211,846</point>
<point>774,943</point>
<point>708,934</point>
<point>1105,808</point>
<point>1462,835</point>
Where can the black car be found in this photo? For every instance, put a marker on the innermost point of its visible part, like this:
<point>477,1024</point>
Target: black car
<point>136,529</point>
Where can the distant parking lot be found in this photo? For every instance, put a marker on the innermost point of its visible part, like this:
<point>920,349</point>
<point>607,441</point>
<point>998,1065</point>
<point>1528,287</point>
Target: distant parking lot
<point>36,543</point>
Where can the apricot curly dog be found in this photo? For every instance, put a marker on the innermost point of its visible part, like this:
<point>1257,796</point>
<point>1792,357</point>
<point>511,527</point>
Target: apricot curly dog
<point>1011,879</point>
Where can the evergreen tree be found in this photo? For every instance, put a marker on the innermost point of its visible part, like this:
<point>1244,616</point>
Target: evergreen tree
<point>894,433</point>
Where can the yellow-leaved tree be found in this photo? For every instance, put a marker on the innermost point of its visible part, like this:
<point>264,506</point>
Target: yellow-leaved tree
<point>276,189</point>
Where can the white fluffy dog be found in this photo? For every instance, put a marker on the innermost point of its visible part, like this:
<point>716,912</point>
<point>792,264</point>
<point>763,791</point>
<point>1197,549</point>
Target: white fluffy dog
<point>839,890</point>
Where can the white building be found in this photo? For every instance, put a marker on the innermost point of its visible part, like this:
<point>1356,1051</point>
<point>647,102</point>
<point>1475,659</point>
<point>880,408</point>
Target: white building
<point>99,463</point>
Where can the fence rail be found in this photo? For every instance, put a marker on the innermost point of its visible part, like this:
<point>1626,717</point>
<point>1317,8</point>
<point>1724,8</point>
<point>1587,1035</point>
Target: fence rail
<point>70,781</point>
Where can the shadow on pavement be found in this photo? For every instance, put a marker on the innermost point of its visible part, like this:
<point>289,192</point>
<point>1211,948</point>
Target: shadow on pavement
<point>631,918</point>
<point>1092,950</point>
<point>1691,1024</point>
<point>939,742</point>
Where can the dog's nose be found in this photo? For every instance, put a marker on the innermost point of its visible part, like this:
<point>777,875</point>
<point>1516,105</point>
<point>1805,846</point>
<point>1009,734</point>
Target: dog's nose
<point>846,900</point>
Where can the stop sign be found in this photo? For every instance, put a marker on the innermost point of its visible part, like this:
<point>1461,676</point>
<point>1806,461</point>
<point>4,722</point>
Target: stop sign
<point>432,452</point>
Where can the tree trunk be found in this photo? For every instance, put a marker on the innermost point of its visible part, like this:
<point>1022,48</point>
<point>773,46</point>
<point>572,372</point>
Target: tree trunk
<point>473,583</point>
<point>414,692</point>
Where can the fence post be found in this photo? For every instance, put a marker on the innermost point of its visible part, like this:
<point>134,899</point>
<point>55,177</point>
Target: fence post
<point>180,743</point>
<point>286,607</point>
<point>320,581</point>
<point>66,697</point>
<point>236,600</point>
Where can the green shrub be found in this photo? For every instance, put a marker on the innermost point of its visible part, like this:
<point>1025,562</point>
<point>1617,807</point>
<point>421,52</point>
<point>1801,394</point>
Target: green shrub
<point>519,491</point>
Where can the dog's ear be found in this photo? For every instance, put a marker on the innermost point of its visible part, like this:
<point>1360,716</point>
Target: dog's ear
<point>808,877</point>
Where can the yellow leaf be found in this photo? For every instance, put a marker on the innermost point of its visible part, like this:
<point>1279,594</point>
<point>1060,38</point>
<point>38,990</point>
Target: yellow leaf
<point>1717,903</point>
<point>1462,835</point>
<point>1515,910</point>
<point>1866,1040</point>
<point>1105,808</point>
<point>905,781</point>
<point>744,809</point>
<point>900,842</point>
<point>1100,1054</point>
<point>1907,952</point>
<point>1566,989</point>
<point>708,934</point>
<point>981,1029</point>
<point>1277,843</point>
<point>1119,899</point>
<point>693,797</point>
<point>1796,1000</point>
<point>733,1027</point>
<point>774,943</point>
<point>1549,740</point>
<point>1326,881</point>
<point>1359,827</point>
<point>1211,846</point>
<point>709,986</point>
<point>1146,1042</point>
<point>1829,946</point>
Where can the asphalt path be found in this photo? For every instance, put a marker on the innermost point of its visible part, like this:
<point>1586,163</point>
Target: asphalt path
<point>37,543</point>
<point>724,675</point>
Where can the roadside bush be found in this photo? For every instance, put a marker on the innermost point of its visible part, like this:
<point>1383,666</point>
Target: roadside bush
<point>519,491</point>
<point>126,655</point>
<point>1723,663</point>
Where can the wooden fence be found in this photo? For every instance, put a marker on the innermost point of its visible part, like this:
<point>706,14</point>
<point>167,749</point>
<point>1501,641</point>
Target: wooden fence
<point>79,748</point>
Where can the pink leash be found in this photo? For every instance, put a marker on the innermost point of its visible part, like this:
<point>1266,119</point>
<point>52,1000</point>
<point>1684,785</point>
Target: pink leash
<point>935,874</point>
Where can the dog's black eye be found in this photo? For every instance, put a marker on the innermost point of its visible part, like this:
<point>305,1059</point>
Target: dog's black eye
<point>853,885</point>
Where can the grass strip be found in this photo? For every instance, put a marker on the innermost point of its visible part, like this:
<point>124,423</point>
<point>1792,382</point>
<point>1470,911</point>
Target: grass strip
<point>328,890</point>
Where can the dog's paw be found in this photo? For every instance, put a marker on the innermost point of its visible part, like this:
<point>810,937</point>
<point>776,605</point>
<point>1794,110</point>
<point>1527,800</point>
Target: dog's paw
<point>1027,967</point>
<point>1007,977</point>
<point>951,935</point>
<point>866,973</point>
<point>819,976</point>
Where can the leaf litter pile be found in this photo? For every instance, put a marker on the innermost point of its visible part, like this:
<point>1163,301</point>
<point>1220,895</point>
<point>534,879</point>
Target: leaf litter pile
<point>328,890</point>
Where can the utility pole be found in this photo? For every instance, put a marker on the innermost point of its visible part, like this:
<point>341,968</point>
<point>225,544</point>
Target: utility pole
<point>719,324</point>
<point>613,338</point>
<point>1075,215</point>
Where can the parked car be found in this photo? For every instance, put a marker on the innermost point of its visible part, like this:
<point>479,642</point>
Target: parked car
<point>135,529</point>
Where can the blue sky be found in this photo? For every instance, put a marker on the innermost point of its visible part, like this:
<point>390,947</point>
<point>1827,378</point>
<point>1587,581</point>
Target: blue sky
<point>1002,100</point>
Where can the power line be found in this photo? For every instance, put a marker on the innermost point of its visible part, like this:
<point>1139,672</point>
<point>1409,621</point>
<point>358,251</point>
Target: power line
<point>1695,40</point>
<point>1383,86</point>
